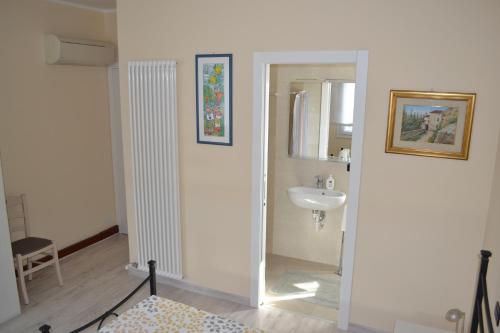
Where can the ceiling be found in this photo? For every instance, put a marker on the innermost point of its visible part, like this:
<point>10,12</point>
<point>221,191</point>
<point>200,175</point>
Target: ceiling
<point>99,5</point>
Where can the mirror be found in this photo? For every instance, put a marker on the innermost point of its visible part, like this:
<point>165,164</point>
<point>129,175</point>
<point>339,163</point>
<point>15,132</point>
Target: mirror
<point>321,119</point>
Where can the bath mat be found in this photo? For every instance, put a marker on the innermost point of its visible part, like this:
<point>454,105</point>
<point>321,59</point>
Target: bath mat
<point>313,287</point>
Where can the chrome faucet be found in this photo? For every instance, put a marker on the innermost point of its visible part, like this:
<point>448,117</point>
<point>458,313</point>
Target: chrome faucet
<point>320,181</point>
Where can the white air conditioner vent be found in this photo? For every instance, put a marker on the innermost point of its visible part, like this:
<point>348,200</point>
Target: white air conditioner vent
<point>73,51</point>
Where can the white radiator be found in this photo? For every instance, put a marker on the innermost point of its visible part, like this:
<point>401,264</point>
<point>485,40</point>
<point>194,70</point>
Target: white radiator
<point>153,113</point>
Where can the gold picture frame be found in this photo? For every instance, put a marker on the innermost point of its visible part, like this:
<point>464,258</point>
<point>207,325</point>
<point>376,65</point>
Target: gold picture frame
<point>433,124</point>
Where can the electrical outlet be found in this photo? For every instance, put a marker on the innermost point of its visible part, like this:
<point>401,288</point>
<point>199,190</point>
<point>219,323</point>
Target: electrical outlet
<point>497,313</point>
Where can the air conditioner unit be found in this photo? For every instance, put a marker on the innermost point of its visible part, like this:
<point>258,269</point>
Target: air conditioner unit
<point>72,51</point>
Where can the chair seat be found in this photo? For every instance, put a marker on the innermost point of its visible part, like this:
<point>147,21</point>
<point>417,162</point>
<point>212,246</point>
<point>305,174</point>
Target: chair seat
<point>29,245</point>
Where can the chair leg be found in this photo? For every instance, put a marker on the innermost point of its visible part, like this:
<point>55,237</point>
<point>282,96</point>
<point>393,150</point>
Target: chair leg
<point>56,263</point>
<point>30,266</point>
<point>22,283</point>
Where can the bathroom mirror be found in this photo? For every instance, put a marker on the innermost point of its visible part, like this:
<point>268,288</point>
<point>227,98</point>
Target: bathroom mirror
<point>321,119</point>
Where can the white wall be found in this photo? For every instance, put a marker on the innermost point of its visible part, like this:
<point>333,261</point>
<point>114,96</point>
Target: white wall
<point>117,147</point>
<point>9,299</point>
<point>290,229</point>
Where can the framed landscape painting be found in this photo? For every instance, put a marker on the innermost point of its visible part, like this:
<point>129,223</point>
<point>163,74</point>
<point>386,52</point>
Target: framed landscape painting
<point>214,99</point>
<point>430,123</point>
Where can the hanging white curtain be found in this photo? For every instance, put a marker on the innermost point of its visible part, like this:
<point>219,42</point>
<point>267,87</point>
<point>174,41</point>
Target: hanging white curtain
<point>300,124</point>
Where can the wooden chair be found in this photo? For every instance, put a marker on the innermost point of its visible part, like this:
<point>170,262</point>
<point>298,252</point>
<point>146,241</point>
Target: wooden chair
<point>27,248</point>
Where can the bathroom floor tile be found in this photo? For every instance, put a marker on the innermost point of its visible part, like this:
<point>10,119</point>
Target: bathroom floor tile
<point>276,266</point>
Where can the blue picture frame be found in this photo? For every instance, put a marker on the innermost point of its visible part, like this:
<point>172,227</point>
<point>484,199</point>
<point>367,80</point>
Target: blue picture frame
<point>214,99</point>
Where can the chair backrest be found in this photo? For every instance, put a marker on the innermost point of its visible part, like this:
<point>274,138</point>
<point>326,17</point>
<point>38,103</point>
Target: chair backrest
<point>17,213</point>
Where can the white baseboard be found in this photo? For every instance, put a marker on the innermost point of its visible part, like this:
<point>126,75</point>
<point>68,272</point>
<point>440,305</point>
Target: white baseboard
<point>356,328</point>
<point>186,285</point>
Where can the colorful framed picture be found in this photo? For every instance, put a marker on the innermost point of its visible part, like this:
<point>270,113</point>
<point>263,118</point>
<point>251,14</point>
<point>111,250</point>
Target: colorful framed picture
<point>430,123</point>
<point>214,116</point>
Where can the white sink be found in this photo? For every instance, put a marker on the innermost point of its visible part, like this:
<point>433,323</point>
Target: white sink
<point>316,198</point>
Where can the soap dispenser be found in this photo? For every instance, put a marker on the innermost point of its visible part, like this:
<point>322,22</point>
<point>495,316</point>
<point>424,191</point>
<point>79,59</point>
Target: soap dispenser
<point>330,183</point>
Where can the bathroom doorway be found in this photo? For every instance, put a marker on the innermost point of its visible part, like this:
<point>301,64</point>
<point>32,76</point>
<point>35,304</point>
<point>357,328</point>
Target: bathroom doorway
<point>302,250</point>
<point>309,139</point>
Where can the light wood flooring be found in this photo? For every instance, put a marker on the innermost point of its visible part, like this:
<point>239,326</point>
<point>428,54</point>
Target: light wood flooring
<point>95,279</point>
<point>276,265</point>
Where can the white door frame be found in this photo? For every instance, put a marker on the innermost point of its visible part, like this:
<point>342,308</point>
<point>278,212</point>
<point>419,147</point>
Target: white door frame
<point>117,147</point>
<point>261,62</point>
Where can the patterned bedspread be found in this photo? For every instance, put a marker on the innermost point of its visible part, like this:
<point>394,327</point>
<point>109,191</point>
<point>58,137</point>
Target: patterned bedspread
<point>159,315</point>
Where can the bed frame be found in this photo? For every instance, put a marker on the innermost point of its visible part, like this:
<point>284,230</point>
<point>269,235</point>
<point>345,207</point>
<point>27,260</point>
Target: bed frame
<point>482,297</point>
<point>152,291</point>
<point>477,316</point>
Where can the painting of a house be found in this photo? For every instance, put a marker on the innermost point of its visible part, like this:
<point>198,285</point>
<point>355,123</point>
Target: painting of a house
<point>435,118</point>
<point>432,124</point>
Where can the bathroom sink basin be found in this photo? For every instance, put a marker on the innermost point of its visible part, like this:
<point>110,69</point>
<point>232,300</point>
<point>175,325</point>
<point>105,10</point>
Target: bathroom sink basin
<point>316,198</point>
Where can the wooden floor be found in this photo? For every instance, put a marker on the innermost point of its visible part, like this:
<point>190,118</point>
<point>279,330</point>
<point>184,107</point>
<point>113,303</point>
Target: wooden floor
<point>95,279</point>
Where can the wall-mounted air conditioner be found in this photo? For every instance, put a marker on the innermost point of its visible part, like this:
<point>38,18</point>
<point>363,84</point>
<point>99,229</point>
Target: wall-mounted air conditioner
<point>72,51</point>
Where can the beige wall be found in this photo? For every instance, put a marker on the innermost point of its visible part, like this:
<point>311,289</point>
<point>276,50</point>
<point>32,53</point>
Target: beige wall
<point>491,240</point>
<point>290,229</point>
<point>110,28</point>
<point>418,239</point>
<point>54,122</point>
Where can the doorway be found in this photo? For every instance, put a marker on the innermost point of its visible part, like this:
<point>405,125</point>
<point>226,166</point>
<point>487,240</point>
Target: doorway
<point>261,130</point>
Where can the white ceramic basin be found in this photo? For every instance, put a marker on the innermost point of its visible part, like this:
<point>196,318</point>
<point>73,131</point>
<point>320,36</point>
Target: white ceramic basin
<point>316,198</point>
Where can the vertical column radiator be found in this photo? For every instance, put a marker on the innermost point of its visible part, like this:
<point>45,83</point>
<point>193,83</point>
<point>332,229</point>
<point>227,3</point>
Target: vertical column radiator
<point>153,115</point>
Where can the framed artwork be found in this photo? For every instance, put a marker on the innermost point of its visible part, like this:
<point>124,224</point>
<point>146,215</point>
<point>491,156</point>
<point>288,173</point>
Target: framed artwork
<point>430,123</point>
<point>214,119</point>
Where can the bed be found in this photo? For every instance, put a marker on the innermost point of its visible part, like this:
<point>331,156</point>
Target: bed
<point>158,315</point>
